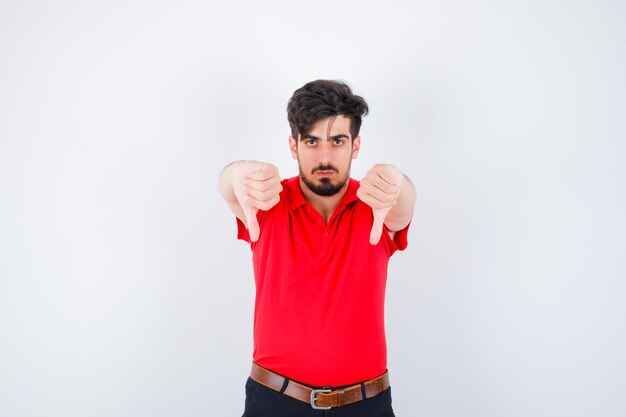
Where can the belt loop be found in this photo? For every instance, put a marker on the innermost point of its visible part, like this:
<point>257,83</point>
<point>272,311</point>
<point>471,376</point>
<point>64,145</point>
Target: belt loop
<point>284,387</point>
<point>363,391</point>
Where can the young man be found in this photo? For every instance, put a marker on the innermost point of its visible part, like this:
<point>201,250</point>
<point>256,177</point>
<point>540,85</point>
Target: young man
<point>321,242</point>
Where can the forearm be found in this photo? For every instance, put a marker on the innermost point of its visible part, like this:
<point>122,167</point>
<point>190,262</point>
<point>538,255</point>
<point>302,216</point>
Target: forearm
<point>225,182</point>
<point>401,213</point>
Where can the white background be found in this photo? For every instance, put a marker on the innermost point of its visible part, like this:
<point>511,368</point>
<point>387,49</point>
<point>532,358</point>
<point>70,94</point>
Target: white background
<point>123,290</point>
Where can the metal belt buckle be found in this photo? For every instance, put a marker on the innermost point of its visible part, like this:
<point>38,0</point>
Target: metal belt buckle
<point>314,398</point>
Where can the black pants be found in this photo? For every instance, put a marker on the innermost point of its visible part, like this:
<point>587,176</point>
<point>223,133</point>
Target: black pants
<point>265,402</point>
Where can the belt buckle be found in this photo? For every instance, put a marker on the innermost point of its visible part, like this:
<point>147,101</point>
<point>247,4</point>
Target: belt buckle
<point>314,398</point>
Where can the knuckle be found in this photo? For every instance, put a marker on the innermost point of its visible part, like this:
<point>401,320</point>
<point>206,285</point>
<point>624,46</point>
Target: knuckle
<point>382,204</point>
<point>269,195</point>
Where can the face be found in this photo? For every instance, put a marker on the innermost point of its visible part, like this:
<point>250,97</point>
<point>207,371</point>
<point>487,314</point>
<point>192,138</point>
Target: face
<point>325,154</point>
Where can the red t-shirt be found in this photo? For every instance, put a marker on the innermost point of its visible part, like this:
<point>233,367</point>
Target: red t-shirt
<point>320,290</point>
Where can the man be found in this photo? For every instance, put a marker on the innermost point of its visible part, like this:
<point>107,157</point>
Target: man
<point>321,242</point>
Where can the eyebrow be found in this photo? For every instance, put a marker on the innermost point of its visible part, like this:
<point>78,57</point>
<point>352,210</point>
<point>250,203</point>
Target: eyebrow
<point>309,136</point>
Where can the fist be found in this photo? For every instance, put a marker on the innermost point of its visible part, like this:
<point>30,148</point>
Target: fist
<point>380,189</point>
<point>257,187</point>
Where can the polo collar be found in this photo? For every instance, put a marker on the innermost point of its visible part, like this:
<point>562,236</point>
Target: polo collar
<point>296,198</point>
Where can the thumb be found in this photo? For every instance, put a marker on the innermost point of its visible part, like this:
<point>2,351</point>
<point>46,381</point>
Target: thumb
<point>249,212</point>
<point>377,226</point>
<point>253,225</point>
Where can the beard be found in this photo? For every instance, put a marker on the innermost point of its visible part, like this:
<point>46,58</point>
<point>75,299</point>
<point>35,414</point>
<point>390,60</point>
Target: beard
<point>325,187</point>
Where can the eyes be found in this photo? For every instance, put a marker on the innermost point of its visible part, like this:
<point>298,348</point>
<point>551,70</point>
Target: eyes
<point>313,142</point>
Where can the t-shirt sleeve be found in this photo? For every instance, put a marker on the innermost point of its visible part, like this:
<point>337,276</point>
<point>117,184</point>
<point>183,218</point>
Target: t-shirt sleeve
<point>399,241</point>
<point>242,231</point>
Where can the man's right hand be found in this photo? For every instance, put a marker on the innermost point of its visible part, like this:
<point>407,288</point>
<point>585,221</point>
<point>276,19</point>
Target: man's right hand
<point>256,186</point>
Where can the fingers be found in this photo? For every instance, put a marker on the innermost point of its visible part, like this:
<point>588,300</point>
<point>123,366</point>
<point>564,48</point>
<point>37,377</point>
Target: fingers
<point>263,187</point>
<point>388,180</point>
<point>263,201</point>
<point>388,177</point>
<point>265,172</point>
<point>384,193</point>
<point>375,198</point>
<point>263,190</point>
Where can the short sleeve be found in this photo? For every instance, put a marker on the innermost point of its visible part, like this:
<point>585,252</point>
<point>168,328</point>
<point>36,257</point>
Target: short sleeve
<point>242,231</point>
<point>399,241</point>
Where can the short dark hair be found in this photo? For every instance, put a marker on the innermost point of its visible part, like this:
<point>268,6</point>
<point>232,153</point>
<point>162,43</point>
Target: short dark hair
<point>319,99</point>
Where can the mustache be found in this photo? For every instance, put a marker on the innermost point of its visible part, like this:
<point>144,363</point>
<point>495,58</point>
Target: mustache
<point>328,167</point>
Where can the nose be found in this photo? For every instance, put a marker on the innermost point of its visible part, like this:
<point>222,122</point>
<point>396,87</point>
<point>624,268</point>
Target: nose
<point>324,157</point>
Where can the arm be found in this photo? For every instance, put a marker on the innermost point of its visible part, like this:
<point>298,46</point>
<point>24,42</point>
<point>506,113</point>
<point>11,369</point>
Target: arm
<point>247,187</point>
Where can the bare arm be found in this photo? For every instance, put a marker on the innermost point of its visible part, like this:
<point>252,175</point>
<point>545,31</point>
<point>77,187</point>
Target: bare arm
<point>227,190</point>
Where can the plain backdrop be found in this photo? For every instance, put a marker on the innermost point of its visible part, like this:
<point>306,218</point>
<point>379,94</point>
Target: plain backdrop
<point>124,291</point>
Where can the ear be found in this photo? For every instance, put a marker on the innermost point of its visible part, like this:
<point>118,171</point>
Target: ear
<point>356,145</point>
<point>294,147</point>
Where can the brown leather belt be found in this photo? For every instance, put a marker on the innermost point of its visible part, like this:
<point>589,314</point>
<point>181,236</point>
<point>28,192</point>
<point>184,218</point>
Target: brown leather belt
<point>320,399</point>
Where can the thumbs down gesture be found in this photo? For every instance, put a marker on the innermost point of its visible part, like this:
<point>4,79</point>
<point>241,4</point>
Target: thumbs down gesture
<point>256,186</point>
<point>380,189</point>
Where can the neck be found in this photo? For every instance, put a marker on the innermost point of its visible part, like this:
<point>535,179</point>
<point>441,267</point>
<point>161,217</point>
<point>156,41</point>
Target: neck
<point>325,206</point>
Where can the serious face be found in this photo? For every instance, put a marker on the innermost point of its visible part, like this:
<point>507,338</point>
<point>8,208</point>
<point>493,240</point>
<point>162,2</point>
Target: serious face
<point>325,154</point>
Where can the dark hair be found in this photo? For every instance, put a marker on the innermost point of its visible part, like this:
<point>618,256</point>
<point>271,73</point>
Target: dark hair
<point>319,99</point>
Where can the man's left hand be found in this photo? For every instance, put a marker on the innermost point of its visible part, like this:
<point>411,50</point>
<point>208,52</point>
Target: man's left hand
<point>380,189</point>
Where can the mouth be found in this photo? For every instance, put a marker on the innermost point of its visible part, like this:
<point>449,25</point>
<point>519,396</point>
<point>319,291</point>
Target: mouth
<point>324,173</point>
